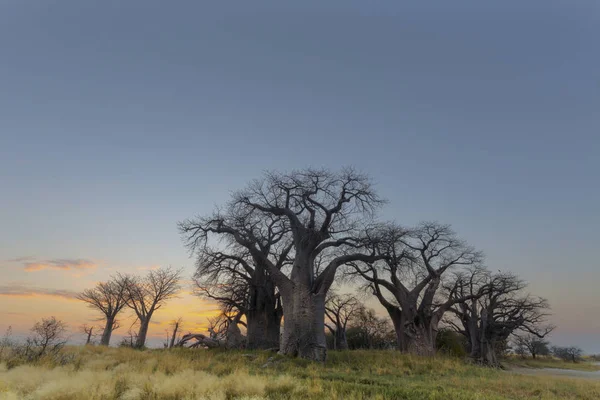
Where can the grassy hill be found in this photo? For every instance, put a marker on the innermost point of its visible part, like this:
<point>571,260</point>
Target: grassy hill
<point>121,373</point>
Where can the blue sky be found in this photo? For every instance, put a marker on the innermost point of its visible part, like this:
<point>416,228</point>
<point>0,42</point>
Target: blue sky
<point>119,118</point>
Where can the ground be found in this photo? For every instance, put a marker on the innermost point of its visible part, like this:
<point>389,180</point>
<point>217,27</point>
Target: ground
<point>121,373</point>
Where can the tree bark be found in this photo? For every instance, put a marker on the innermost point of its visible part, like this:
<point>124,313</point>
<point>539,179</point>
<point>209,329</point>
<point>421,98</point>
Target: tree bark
<point>304,324</point>
<point>140,341</point>
<point>421,340</point>
<point>398,322</point>
<point>106,334</point>
<point>263,318</point>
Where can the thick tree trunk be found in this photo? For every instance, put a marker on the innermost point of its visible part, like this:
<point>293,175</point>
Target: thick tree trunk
<point>421,341</point>
<point>488,354</point>
<point>233,337</point>
<point>398,322</point>
<point>140,341</point>
<point>108,328</point>
<point>263,327</point>
<point>263,317</point>
<point>304,324</point>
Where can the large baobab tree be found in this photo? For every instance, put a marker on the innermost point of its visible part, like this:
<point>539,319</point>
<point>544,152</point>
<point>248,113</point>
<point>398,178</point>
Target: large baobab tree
<point>499,308</point>
<point>109,298</point>
<point>407,281</point>
<point>319,213</point>
<point>147,294</point>
<point>339,309</point>
<point>241,284</point>
<point>326,213</point>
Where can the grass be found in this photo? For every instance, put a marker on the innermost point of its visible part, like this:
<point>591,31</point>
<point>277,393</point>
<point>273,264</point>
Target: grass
<point>549,362</point>
<point>119,373</point>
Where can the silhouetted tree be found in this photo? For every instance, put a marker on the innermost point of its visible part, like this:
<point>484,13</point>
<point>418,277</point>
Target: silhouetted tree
<point>176,324</point>
<point>339,310</point>
<point>500,309</point>
<point>531,344</point>
<point>571,353</point>
<point>48,336</point>
<point>109,298</point>
<point>408,280</point>
<point>88,331</point>
<point>323,214</point>
<point>147,294</point>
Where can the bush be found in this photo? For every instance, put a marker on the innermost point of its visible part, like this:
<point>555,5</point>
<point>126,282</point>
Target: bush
<point>451,343</point>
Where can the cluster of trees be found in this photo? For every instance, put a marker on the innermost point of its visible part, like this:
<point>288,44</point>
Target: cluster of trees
<point>143,295</point>
<point>273,252</point>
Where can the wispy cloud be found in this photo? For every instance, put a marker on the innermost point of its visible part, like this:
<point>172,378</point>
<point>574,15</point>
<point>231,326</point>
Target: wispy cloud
<point>26,291</point>
<point>64,264</point>
<point>21,259</point>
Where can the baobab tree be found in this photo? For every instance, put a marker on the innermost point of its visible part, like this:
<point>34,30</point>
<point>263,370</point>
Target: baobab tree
<point>323,213</point>
<point>339,309</point>
<point>407,281</point>
<point>109,298</point>
<point>501,307</point>
<point>147,294</point>
<point>235,278</point>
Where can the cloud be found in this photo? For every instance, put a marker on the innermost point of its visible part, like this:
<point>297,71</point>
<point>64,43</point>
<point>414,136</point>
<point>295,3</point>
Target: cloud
<point>26,291</point>
<point>21,259</point>
<point>64,264</point>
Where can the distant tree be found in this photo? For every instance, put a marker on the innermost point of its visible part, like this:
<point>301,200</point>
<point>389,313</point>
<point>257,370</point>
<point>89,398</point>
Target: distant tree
<point>6,341</point>
<point>500,308</point>
<point>109,298</point>
<point>339,310</point>
<point>368,331</point>
<point>147,294</point>
<point>570,353</point>
<point>88,331</point>
<point>526,343</point>
<point>47,336</point>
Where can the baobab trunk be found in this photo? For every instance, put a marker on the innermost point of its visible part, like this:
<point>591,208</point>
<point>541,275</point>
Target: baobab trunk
<point>263,320</point>
<point>108,328</point>
<point>140,341</point>
<point>303,323</point>
<point>398,322</point>
<point>420,333</point>
<point>421,341</point>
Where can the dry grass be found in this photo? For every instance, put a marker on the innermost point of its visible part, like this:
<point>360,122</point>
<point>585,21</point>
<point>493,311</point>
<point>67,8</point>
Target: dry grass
<point>101,373</point>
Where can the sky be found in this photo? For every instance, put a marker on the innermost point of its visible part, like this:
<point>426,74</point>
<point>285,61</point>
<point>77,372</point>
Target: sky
<point>120,118</point>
